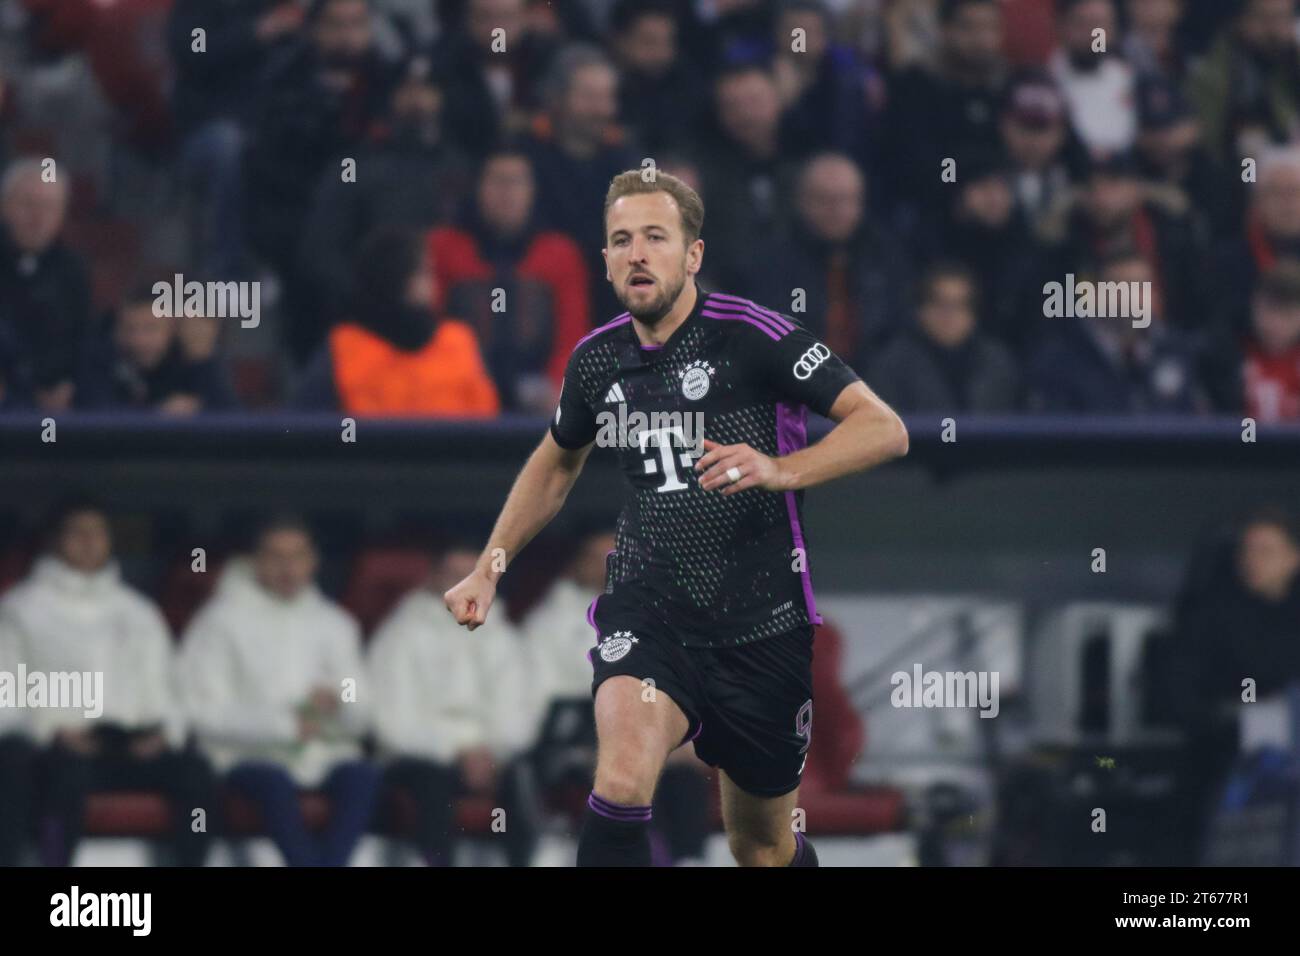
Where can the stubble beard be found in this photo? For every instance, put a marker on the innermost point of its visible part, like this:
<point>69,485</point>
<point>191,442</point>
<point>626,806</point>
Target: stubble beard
<point>652,312</point>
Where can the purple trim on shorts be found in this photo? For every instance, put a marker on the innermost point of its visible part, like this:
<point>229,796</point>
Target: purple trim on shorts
<point>623,319</point>
<point>776,318</point>
<point>743,318</point>
<point>617,811</point>
<point>791,435</point>
<point>591,619</point>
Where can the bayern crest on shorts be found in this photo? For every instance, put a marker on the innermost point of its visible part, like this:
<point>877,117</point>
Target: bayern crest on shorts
<point>616,646</point>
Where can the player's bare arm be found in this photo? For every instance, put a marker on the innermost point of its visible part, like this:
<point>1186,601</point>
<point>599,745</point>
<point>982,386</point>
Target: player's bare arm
<point>867,433</point>
<point>536,497</point>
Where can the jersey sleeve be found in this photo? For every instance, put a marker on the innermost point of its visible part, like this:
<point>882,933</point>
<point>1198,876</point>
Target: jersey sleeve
<point>802,369</point>
<point>574,424</point>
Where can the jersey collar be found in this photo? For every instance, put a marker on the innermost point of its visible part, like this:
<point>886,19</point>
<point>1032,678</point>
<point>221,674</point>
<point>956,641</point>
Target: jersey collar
<point>655,353</point>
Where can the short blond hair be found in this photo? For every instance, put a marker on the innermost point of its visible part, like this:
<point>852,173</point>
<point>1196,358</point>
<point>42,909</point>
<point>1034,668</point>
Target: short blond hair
<point>637,182</point>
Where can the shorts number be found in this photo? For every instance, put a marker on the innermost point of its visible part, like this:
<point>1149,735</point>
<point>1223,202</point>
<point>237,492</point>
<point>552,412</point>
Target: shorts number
<point>803,725</point>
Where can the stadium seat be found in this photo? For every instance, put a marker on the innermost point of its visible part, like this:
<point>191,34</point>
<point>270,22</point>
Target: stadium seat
<point>380,577</point>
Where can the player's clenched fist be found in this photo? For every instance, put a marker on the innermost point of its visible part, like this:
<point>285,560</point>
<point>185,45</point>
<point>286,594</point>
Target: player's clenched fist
<point>734,468</point>
<point>470,600</point>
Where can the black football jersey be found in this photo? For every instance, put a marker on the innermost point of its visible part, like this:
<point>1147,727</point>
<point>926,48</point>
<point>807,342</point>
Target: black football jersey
<point>718,570</point>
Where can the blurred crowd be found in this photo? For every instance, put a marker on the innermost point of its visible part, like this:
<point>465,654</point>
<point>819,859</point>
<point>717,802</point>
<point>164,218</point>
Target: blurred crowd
<point>416,187</point>
<point>271,692</point>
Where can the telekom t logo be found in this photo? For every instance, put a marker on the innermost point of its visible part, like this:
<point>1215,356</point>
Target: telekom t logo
<point>666,462</point>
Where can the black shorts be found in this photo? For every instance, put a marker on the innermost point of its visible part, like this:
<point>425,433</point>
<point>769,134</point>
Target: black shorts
<point>749,707</point>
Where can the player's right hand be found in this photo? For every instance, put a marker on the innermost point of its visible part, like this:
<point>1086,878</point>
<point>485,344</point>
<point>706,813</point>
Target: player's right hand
<point>470,600</point>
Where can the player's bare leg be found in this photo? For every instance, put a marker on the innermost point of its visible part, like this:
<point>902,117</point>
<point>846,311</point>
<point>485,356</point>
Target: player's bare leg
<point>636,730</point>
<point>758,828</point>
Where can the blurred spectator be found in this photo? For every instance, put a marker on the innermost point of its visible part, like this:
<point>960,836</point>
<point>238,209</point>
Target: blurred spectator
<point>1152,45</point>
<point>1117,210</point>
<point>950,110</point>
<point>985,231</point>
<point>151,360</point>
<point>319,102</point>
<point>1272,233</point>
<point>828,96</point>
<point>397,356</point>
<point>454,713</point>
<point>558,639</point>
<point>17,766</point>
<point>491,68</point>
<point>412,178</point>
<point>1170,152</point>
<point>74,614</point>
<point>522,288</point>
<point>944,363</point>
<point>577,147</point>
<point>269,673</point>
<point>1103,365</point>
<point>44,285</point>
<point>846,270</point>
<point>1097,83</point>
<point>737,31</point>
<point>1247,88</point>
<point>748,179</point>
<point>215,86</point>
<point>1271,373</point>
<point>659,90</point>
<point>1235,621</point>
<point>1034,137</point>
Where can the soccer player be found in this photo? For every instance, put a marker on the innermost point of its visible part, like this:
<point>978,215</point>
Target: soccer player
<point>705,627</point>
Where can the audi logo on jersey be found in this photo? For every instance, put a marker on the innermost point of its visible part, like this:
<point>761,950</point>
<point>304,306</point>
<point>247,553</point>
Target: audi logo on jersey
<point>809,361</point>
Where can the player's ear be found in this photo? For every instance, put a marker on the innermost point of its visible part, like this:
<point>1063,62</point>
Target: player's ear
<point>604,254</point>
<point>695,257</point>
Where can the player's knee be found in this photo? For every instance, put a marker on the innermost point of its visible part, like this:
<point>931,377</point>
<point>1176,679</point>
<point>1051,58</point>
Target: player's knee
<point>751,850</point>
<point>624,782</point>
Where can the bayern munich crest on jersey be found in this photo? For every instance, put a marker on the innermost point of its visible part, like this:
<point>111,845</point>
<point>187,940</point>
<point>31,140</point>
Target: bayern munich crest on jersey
<point>696,379</point>
<point>616,646</point>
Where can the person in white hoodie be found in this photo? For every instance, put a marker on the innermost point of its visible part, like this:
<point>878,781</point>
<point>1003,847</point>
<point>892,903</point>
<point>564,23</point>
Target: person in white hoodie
<point>559,638</point>
<point>17,764</point>
<point>95,661</point>
<point>272,679</point>
<point>454,713</point>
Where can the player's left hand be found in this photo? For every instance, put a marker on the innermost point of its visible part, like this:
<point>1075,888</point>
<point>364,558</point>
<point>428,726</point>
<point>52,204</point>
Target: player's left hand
<point>756,469</point>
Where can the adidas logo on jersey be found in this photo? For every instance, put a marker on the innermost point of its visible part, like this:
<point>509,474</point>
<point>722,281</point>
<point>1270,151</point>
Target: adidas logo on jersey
<point>615,394</point>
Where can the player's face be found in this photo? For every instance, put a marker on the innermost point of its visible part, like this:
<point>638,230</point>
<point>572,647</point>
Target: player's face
<point>646,256</point>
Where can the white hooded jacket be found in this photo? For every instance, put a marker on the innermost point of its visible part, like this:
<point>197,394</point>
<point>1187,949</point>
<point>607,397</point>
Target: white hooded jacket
<point>441,689</point>
<point>559,637</point>
<point>62,620</point>
<point>250,660</point>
